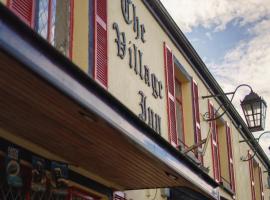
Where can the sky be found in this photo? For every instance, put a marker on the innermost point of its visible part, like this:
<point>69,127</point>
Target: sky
<point>233,39</point>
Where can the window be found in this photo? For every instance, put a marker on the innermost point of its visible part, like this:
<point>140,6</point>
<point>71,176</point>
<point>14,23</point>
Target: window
<point>170,88</point>
<point>226,155</point>
<point>214,143</point>
<point>179,113</point>
<point>54,23</point>
<point>196,118</point>
<point>52,19</point>
<point>25,10</point>
<point>100,43</point>
<point>256,182</point>
<point>230,157</point>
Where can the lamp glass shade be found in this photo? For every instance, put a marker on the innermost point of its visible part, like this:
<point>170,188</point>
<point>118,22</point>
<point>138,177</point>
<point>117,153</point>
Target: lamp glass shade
<point>254,108</point>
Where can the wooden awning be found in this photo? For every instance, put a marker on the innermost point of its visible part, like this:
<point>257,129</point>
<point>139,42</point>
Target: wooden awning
<point>49,101</point>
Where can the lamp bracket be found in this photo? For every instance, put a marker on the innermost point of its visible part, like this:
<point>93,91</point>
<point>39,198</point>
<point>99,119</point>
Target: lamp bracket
<point>194,146</point>
<point>225,106</point>
<point>249,140</point>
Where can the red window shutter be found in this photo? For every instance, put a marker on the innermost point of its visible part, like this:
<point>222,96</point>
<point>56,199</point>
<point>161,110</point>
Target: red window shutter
<point>261,183</point>
<point>24,9</point>
<point>251,173</point>
<point>214,143</point>
<point>195,94</point>
<point>101,45</point>
<point>196,117</point>
<point>230,157</point>
<point>170,87</point>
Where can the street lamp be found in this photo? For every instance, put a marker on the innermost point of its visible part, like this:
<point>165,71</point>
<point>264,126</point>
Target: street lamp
<point>254,108</point>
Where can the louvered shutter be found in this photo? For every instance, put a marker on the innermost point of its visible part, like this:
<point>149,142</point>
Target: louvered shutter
<point>101,44</point>
<point>170,83</point>
<point>214,143</point>
<point>251,173</point>
<point>196,117</point>
<point>24,9</point>
<point>261,183</point>
<point>230,157</point>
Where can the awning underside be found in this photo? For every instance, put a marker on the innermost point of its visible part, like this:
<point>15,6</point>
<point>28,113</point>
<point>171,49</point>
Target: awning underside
<point>33,110</point>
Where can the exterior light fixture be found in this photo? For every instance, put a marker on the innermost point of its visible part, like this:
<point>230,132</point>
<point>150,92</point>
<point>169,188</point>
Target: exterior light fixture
<point>247,158</point>
<point>88,116</point>
<point>254,108</point>
<point>171,176</point>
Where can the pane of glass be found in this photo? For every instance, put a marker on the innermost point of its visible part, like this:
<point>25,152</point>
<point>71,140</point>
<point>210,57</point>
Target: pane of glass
<point>216,162</point>
<point>257,120</point>
<point>178,94</point>
<point>214,131</point>
<point>52,29</point>
<point>60,34</point>
<point>179,117</point>
<point>42,26</point>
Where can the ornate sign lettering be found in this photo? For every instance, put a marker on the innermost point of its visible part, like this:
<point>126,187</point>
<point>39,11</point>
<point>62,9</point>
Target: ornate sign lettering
<point>125,5</point>
<point>148,115</point>
<point>136,64</point>
<point>120,41</point>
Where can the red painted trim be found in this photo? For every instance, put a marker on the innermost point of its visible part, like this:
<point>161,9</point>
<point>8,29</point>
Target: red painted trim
<point>251,173</point>
<point>71,28</point>
<point>218,156</point>
<point>166,87</point>
<point>107,49</point>
<point>214,138</point>
<point>95,38</point>
<point>193,109</point>
<point>230,157</point>
<point>8,3</point>
<point>212,145</point>
<point>261,183</point>
<point>32,22</point>
<point>166,48</point>
<point>95,44</point>
<point>195,104</point>
<point>33,13</point>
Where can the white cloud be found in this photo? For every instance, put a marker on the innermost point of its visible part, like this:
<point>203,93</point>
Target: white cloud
<point>216,13</point>
<point>249,61</point>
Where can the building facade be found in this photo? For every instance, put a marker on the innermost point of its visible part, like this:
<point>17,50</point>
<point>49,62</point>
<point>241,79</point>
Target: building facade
<point>103,96</point>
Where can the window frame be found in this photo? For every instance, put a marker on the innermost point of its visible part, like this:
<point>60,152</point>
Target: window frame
<point>170,94</point>
<point>33,13</point>
<point>49,24</point>
<point>251,175</point>
<point>179,69</point>
<point>180,101</point>
<point>214,144</point>
<point>196,117</point>
<point>230,156</point>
